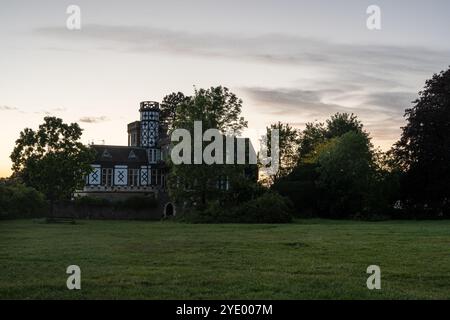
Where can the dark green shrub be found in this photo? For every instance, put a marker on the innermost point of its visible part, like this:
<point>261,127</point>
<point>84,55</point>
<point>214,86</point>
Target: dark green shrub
<point>211,213</point>
<point>18,201</point>
<point>300,188</point>
<point>303,195</point>
<point>268,208</point>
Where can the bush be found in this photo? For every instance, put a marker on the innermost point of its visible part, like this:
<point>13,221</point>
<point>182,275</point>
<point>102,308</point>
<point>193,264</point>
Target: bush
<point>270,207</point>
<point>300,188</point>
<point>303,195</point>
<point>18,201</point>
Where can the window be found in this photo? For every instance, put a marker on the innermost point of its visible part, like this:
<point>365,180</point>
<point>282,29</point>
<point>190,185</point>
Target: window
<point>107,174</point>
<point>158,155</point>
<point>152,155</point>
<point>132,139</point>
<point>132,155</point>
<point>133,177</point>
<point>106,154</point>
<point>222,183</point>
<point>163,180</point>
<point>155,177</point>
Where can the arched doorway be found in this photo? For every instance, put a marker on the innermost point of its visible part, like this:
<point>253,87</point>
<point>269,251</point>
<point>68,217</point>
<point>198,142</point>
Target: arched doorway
<point>169,210</point>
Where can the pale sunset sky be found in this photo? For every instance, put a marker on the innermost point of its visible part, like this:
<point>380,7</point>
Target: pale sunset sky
<point>290,61</point>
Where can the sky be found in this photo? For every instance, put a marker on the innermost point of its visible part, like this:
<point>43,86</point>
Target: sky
<point>290,61</point>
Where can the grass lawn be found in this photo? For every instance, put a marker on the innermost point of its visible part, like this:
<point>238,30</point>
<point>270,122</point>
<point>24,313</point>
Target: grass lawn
<point>310,259</point>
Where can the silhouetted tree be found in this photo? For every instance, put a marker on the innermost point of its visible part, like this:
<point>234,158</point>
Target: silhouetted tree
<point>316,133</point>
<point>341,123</point>
<point>339,173</point>
<point>52,159</point>
<point>288,149</point>
<point>169,107</point>
<point>423,150</point>
<point>345,167</point>
<point>216,108</point>
<point>310,137</point>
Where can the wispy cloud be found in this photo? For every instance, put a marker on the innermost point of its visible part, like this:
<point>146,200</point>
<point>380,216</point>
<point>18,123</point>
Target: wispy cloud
<point>395,101</point>
<point>377,82</point>
<point>8,108</point>
<point>268,48</point>
<point>290,102</point>
<point>381,113</point>
<point>93,119</point>
<point>52,111</point>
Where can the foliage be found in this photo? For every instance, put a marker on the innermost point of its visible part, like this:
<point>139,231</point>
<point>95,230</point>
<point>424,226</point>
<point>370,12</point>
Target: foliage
<point>339,174</point>
<point>242,190</point>
<point>310,137</point>
<point>269,207</point>
<point>196,184</point>
<point>287,146</point>
<point>316,133</point>
<point>169,109</point>
<point>300,187</point>
<point>52,159</point>
<point>341,123</point>
<point>345,168</point>
<point>423,150</point>
<point>216,107</point>
<point>19,201</point>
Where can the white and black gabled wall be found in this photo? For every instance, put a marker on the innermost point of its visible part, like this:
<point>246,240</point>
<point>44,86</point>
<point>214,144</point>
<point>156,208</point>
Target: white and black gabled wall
<point>135,166</point>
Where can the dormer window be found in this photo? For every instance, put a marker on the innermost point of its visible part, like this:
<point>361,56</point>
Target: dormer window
<point>106,154</point>
<point>132,155</point>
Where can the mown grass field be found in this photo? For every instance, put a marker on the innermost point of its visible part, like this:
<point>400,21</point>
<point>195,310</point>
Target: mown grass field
<point>310,259</point>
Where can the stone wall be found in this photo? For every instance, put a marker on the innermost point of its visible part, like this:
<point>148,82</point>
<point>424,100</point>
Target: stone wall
<point>70,209</point>
<point>97,212</point>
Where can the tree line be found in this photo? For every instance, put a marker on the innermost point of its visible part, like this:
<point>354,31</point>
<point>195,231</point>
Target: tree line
<point>332,169</point>
<point>329,169</point>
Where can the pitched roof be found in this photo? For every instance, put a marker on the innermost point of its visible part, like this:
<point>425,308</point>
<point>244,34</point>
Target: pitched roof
<point>120,154</point>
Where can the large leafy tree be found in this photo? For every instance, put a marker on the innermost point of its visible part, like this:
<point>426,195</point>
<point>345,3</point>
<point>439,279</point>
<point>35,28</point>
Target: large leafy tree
<point>216,108</point>
<point>423,150</point>
<point>52,159</point>
<point>169,107</point>
<point>316,133</point>
<point>339,173</point>
<point>341,123</point>
<point>310,137</point>
<point>288,149</point>
<point>345,167</point>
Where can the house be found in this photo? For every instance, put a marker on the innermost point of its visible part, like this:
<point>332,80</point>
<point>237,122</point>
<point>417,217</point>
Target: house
<point>138,169</point>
